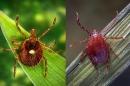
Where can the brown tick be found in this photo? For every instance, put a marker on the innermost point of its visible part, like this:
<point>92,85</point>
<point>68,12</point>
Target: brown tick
<point>30,51</point>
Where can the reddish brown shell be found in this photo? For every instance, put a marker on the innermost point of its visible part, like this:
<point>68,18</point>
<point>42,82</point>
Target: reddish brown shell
<point>25,57</point>
<point>97,49</point>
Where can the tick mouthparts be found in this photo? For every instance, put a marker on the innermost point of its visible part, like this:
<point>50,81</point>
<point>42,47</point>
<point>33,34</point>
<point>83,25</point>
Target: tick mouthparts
<point>33,35</point>
<point>33,32</point>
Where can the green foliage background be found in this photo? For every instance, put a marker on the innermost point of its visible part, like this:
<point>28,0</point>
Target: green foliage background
<point>37,14</point>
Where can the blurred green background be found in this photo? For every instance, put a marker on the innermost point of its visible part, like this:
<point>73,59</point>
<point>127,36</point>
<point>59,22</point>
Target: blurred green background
<point>38,14</point>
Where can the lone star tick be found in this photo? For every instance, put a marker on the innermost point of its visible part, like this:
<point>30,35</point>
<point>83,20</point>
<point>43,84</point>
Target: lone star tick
<point>97,49</point>
<point>30,51</point>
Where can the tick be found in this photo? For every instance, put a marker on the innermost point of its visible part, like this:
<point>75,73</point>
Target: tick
<point>97,49</point>
<point>30,51</point>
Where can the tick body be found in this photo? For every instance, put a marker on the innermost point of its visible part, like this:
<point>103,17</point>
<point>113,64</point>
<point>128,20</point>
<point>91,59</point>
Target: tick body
<point>30,50</point>
<point>97,49</point>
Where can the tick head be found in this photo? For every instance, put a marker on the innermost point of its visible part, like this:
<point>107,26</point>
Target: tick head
<point>33,37</point>
<point>94,33</point>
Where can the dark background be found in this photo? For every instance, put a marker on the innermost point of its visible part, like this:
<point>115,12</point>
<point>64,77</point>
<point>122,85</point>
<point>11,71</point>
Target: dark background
<point>95,14</point>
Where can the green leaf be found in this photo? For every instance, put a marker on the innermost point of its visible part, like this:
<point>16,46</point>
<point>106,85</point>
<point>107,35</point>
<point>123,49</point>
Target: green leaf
<point>56,63</point>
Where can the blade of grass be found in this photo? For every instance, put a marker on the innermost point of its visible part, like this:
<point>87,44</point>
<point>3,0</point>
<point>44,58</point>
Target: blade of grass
<point>56,63</point>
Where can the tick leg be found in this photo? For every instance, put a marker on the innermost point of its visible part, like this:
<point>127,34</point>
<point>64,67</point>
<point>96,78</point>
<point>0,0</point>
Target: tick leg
<point>4,49</point>
<point>46,69</point>
<point>107,68</point>
<point>15,64</point>
<point>73,44</point>
<point>97,72</point>
<point>114,37</point>
<point>83,55</point>
<point>52,45</point>
<point>113,24</point>
<point>93,61</point>
<point>45,66</point>
<point>15,43</point>
<point>17,25</point>
<point>7,49</point>
<point>114,21</point>
<point>117,12</point>
<point>111,50</point>
<point>49,28</point>
<point>80,25</point>
<point>83,40</point>
<point>47,48</point>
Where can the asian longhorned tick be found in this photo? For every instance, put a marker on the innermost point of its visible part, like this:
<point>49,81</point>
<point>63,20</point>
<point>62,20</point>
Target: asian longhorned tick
<point>97,49</point>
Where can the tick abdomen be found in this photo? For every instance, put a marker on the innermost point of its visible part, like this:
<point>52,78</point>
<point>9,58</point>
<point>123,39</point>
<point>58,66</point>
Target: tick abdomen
<point>30,53</point>
<point>101,56</point>
<point>97,49</point>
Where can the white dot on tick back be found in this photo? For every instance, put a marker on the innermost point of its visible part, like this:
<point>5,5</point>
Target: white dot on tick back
<point>32,52</point>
